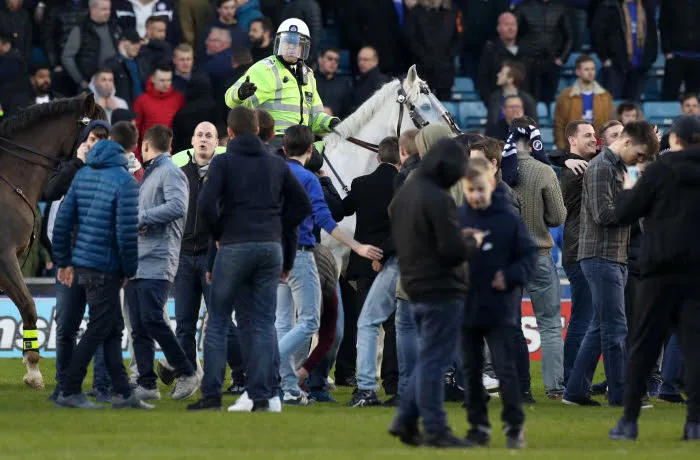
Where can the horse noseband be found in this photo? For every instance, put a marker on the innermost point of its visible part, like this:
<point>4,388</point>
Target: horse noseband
<point>402,99</point>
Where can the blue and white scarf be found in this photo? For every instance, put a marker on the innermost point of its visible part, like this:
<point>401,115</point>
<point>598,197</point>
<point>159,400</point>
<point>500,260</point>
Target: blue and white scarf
<point>509,164</point>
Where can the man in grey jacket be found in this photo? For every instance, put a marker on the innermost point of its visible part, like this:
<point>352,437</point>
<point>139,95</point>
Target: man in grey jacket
<point>163,199</point>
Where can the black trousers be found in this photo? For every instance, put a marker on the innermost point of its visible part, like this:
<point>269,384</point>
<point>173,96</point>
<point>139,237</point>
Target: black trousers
<point>502,342</point>
<point>542,78</point>
<point>670,302</point>
<point>632,299</point>
<point>680,69</point>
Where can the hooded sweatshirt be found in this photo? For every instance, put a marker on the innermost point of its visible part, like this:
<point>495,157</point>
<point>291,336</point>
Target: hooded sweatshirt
<point>667,197</point>
<point>121,103</point>
<point>103,201</point>
<point>425,228</point>
<point>156,108</point>
<point>508,248</point>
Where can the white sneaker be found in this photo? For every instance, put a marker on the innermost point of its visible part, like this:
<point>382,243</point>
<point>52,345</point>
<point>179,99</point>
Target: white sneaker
<point>243,404</point>
<point>490,383</point>
<point>186,386</point>
<point>144,394</point>
<point>275,404</point>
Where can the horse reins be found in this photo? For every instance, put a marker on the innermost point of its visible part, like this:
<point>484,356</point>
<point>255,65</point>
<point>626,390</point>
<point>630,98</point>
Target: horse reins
<point>85,121</point>
<point>418,121</point>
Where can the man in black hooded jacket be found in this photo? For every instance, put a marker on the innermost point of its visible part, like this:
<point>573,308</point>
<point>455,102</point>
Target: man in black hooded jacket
<point>431,252</point>
<point>667,197</point>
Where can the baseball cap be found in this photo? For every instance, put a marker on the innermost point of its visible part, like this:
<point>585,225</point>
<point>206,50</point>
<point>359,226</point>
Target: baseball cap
<point>686,127</point>
<point>131,35</point>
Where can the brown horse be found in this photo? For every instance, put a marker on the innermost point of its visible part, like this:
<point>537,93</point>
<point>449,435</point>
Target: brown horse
<point>31,144</point>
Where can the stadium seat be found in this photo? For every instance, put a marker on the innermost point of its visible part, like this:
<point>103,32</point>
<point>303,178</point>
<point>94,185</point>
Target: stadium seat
<point>331,37</point>
<point>547,137</point>
<point>472,114</point>
<point>452,108</point>
<point>660,62</point>
<point>661,113</point>
<point>542,111</point>
<point>344,65</point>
<point>463,89</point>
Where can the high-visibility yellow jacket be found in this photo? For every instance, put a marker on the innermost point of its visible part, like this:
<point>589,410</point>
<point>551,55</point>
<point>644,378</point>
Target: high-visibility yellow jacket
<point>278,92</point>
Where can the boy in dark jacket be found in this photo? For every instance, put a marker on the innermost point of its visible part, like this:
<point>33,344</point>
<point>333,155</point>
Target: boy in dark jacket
<point>102,203</point>
<point>431,253</point>
<point>497,274</point>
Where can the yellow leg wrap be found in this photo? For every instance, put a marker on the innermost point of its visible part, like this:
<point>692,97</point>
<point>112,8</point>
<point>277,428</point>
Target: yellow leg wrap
<point>31,340</point>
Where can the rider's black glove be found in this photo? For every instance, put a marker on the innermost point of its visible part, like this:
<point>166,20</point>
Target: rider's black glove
<point>247,89</point>
<point>334,122</point>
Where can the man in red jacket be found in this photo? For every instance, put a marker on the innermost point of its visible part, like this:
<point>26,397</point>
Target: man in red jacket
<point>159,104</point>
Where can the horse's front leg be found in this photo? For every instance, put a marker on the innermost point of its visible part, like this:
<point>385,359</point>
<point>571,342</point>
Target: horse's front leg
<point>12,281</point>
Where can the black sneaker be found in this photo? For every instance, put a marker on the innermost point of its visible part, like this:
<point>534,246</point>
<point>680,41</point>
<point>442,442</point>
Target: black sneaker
<point>691,432</point>
<point>624,431</point>
<point>669,398</point>
<point>444,440</point>
<point>364,398</point>
<point>407,432</point>
<point>346,382</point>
<point>212,403</point>
<point>236,388</point>
<point>515,437</point>
<point>479,436</point>
<point>393,401</point>
<point>599,389</point>
<point>527,398</point>
<point>587,401</point>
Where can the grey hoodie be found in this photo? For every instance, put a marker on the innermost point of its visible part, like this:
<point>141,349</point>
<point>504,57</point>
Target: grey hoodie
<point>120,102</point>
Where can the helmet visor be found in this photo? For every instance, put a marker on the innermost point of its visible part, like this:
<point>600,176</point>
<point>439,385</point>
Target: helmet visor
<point>292,46</point>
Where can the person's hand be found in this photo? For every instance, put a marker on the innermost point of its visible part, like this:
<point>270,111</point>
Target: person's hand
<point>577,166</point>
<point>658,133</point>
<point>499,281</point>
<point>669,56</point>
<point>475,233</point>
<point>377,266</point>
<point>334,122</point>
<point>322,173</point>
<point>284,275</point>
<point>302,375</point>
<point>369,252</point>
<point>558,62</point>
<point>58,69</point>
<point>217,245</point>
<point>65,276</point>
<point>628,182</point>
<point>247,89</point>
<point>82,151</point>
<point>49,265</point>
<point>607,63</point>
<point>39,13</point>
<point>84,84</point>
<point>111,103</point>
<point>207,276</point>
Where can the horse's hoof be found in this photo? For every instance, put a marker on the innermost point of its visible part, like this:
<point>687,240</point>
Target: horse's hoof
<point>34,379</point>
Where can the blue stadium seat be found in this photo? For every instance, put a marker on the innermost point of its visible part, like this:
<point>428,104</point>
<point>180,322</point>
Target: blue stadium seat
<point>452,108</point>
<point>552,106</point>
<point>660,62</point>
<point>463,89</point>
<point>547,137</point>
<point>331,37</point>
<point>542,111</point>
<point>472,114</point>
<point>661,113</point>
<point>344,65</point>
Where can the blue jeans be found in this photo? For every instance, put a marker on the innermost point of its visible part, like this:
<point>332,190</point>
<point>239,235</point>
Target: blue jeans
<point>378,307</point>
<point>244,275</point>
<point>438,325</point>
<point>672,367</point>
<point>105,327</point>
<point>299,298</point>
<point>147,299</point>
<point>319,374</point>
<point>543,289</point>
<point>581,315</point>
<point>607,333</point>
<point>406,343</point>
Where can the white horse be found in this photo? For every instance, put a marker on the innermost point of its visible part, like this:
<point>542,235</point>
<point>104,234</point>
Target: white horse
<point>374,120</point>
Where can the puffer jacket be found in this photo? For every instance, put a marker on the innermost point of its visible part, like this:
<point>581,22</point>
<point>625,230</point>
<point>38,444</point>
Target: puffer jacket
<point>544,29</point>
<point>103,202</point>
<point>163,200</point>
<point>60,21</point>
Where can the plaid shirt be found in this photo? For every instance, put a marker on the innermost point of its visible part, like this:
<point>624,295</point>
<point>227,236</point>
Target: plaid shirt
<point>600,235</point>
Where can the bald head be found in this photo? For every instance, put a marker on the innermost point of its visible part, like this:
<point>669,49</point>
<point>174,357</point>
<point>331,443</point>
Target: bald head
<point>204,141</point>
<point>507,28</point>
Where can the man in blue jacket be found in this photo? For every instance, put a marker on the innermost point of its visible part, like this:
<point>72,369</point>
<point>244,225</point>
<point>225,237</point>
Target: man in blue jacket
<point>102,202</point>
<point>251,202</point>
<point>492,311</point>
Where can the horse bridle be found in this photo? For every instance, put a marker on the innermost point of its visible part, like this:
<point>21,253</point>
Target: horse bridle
<point>417,119</point>
<point>84,121</point>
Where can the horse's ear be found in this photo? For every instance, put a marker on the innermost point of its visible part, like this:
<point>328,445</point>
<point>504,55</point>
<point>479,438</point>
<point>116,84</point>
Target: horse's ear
<point>412,76</point>
<point>89,103</point>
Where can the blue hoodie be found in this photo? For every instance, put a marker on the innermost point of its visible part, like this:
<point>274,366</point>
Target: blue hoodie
<point>103,202</point>
<point>509,248</point>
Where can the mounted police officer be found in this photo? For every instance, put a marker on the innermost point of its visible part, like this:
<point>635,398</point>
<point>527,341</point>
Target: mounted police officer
<point>284,85</point>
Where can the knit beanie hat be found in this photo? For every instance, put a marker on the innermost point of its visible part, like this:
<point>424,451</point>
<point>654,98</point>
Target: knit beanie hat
<point>92,125</point>
<point>430,134</point>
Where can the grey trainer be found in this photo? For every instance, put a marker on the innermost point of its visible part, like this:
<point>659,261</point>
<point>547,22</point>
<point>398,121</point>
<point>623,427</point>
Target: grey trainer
<point>132,402</point>
<point>186,386</point>
<point>79,401</point>
<point>146,394</point>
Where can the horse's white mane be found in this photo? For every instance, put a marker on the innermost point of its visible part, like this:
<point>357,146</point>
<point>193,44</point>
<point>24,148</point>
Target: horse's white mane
<point>360,117</point>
